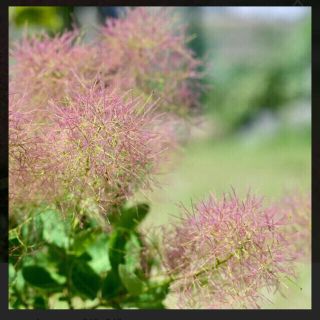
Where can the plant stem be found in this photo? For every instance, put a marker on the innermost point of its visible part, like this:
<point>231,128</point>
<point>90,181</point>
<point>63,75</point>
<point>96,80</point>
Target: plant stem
<point>198,273</point>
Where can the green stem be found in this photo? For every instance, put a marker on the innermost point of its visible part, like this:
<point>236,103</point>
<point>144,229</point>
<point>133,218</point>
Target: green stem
<point>198,273</point>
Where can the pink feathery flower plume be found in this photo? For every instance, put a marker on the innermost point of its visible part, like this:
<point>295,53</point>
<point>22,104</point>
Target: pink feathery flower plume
<point>46,66</point>
<point>224,252</point>
<point>296,206</point>
<point>27,149</point>
<point>146,50</point>
<point>96,150</point>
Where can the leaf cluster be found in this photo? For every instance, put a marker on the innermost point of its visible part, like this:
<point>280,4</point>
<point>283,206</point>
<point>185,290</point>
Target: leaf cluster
<point>88,267</point>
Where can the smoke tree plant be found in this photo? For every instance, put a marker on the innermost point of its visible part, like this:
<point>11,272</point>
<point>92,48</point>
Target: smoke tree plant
<point>89,126</point>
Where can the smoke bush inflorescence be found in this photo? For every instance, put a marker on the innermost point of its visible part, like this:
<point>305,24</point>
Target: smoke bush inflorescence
<point>96,147</point>
<point>27,150</point>
<point>147,50</point>
<point>109,148</point>
<point>225,251</point>
<point>296,206</point>
<point>86,136</point>
<point>48,67</point>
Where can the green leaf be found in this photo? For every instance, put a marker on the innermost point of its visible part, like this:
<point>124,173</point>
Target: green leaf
<point>54,228</point>
<point>39,277</point>
<point>93,242</point>
<point>160,291</point>
<point>131,282</point>
<point>151,299</point>
<point>131,217</point>
<point>132,253</point>
<point>84,280</point>
<point>13,234</point>
<point>12,272</point>
<point>112,285</point>
<point>19,281</point>
<point>56,253</point>
<point>59,257</point>
<point>40,303</point>
<point>99,253</point>
<point>83,240</point>
<point>85,257</point>
<point>117,244</point>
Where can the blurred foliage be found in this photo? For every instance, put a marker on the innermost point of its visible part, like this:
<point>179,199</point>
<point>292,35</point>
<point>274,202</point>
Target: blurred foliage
<point>104,12</point>
<point>245,87</point>
<point>198,43</point>
<point>52,19</point>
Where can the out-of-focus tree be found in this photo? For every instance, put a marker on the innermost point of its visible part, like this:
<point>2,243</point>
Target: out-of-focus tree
<point>198,42</point>
<point>108,12</point>
<point>51,19</point>
<point>270,83</point>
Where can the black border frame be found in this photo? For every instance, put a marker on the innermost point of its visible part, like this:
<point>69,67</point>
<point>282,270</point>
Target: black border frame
<point>158,314</point>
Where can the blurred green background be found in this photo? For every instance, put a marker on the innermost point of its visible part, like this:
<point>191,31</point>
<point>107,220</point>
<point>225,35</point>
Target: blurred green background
<point>254,131</point>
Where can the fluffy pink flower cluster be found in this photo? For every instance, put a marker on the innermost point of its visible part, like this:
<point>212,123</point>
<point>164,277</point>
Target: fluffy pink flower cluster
<point>297,207</point>
<point>109,146</point>
<point>145,52</point>
<point>48,67</point>
<point>88,130</point>
<point>224,252</point>
<point>95,150</point>
<point>148,50</point>
<point>26,149</point>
